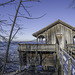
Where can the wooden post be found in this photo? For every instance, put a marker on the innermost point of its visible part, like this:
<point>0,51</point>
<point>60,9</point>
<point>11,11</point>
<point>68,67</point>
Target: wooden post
<point>40,58</point>
<point>68,50</point>
<point>57,50</point>
<point>69,66</point>
<point>59,55</point>
<point>59,66</point>
<point>19,61</point>
<point>57,58</point>
<point>71,51</point>
<point>36,57</point>
<point>54,55</point>
<point>62,72</point>
<point>27,59</point>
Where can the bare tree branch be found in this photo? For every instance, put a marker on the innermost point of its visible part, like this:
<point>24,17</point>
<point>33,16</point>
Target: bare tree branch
<point>7,2</point>
<point>31,0</point>
<point>15,33</point>
<point>2,20</point>
<point>72,5</point>
<point>3,37</point>
<point>25,9</point>
<point>32,18</point>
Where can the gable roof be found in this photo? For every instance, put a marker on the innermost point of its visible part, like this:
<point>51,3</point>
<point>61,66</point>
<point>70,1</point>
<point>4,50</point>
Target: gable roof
<point>51,25</point>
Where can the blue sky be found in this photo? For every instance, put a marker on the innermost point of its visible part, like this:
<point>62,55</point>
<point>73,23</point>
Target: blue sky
<point>54,10</point>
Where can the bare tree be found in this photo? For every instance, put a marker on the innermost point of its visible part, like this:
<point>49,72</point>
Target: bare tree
<point>72,4</point>
<point>14,22</point>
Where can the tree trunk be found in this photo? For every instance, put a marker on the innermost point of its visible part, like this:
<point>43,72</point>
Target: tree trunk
<point>9,41</point>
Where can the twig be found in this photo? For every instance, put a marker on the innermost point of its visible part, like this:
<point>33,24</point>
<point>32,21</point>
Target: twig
<point>3,38</point>
<point>11,19</point>
<point>31,0</point>
<point>7,2</point>
<point>72,4</point>
<point>32,18</point>
<point>25,9</point>
<point>2,20</point>
<point>15,33</point>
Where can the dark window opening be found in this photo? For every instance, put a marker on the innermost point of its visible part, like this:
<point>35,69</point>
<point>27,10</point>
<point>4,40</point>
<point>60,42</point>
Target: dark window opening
<point>74,40</point>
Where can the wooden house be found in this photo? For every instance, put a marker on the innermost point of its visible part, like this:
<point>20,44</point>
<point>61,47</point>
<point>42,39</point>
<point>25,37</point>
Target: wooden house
<point>63,31</point>
<point>45,54</point>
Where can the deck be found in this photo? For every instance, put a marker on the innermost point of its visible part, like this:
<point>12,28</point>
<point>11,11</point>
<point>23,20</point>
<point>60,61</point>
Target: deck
<point>59,57</point>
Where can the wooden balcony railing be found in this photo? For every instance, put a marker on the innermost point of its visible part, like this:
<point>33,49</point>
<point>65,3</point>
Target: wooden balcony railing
<point>38,47</point>
<point>71,50</point>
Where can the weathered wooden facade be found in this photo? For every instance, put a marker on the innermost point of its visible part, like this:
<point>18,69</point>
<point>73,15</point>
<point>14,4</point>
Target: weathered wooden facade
<point>63,31</point>
<point>45,54</point>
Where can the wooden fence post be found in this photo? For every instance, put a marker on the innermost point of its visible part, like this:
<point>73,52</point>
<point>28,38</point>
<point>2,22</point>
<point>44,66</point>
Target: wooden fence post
<point>69,66</point>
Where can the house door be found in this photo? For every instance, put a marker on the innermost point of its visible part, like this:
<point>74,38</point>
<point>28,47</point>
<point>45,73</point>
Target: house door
<point>59,39</point>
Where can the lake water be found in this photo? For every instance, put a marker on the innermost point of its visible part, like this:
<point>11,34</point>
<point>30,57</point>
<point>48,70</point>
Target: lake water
<point>13,59</point>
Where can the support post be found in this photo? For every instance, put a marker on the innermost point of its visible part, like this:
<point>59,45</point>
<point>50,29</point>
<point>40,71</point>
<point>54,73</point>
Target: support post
<point>57,50</point>
<point>69,66</point>
<point>19,61</point>
<point>59,55</point>
<point>54,55</point>
<point>62,72</point>
<point>40,58</point>
<point>59,66</point>
<point>57,58</point>
<point>36,56</point>
<point>71,51</point>
<point>27,59</point>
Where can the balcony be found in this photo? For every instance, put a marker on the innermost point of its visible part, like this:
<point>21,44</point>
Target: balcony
<point>36,47</point>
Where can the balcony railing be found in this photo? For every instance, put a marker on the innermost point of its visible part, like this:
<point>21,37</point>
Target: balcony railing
<point>38,47</point>
<point>71,50</point>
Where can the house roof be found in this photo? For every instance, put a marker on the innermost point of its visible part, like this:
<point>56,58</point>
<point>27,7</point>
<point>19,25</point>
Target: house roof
<point>51,25</point>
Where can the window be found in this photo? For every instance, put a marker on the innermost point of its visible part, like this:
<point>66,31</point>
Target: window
<point>74,40</point>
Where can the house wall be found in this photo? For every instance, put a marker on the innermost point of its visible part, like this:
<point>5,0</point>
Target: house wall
<point>67,35</point>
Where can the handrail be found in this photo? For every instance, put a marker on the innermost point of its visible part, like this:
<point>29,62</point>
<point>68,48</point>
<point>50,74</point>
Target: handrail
<point>67,62</point>
<point>71,50</point>
<point>38,47</point>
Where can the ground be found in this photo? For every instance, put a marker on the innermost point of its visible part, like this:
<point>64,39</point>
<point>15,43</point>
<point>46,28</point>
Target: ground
<point>31,73</point>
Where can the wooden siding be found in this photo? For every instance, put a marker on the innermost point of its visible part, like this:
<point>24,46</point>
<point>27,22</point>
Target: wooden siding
<point>67,34</point>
